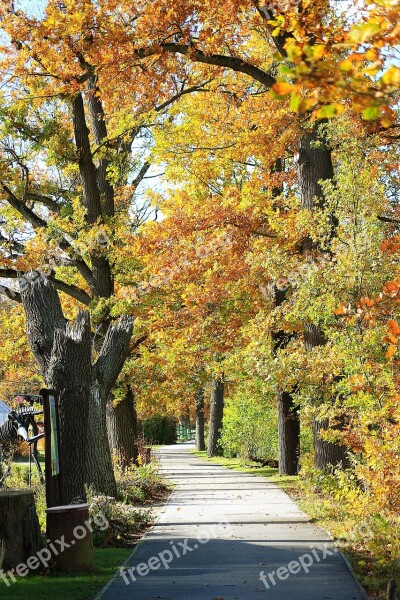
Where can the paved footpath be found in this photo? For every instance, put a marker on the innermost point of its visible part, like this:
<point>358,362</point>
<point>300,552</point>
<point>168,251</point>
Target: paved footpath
<point>220,531</point>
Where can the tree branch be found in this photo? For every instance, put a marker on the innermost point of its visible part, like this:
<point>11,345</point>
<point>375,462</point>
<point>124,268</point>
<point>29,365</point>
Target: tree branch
<point>388,220</point>
<point>87,168</point>
<point>267,14</point>
<point>114,352</point>
<point>46,200</point>
<point>229,62</point>
<point>44,315</point>
<point>10,294</point>
<point>68,288</point>
<point>23,210</point>
<point>140,176</point>
<point>100,134</point>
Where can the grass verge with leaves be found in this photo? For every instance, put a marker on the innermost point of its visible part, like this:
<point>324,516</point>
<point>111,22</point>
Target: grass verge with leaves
<point>371,541</point>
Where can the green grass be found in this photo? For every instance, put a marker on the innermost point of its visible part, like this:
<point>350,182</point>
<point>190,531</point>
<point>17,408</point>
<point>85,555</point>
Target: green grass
<point>25,459</point>
<point>322,510</point>
<point>63,587</point>
<point>287,483</point>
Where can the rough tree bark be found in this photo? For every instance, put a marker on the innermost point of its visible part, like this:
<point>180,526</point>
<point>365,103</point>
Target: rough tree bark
<point>122,428</point>
<point>315,165</point>
<point>20,535</point>
<point>64,354</point>
<point>216,416</point>
<point>200,441</point>
<point>326,453</point>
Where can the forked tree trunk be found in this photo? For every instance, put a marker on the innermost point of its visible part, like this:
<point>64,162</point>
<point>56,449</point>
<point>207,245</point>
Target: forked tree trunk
<point>216,417</point>
<point>64,354</point>
<point>121,427</point>
<point>315,165</point>
<point>200,441</point>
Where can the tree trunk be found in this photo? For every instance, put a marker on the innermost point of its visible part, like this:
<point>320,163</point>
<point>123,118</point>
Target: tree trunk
<point>121,428</point>
<point>288,411</point>
<point>99,465</point>
<point>200,441</point>
<point>328,453</point>
<point>69,374</point>
<point>315,165</point>
<point>289,434</point>
<point>20,535</point>
<point>64,353</point>
<point>216,417</point>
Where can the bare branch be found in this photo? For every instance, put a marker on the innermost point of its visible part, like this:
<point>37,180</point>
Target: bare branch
<point>140,176</point>
<point>228,62</point>
<point>23,210</point>
<point>10,294</point>
<point>67,288</point>
<point>45,200</point>
<point>114,351</point>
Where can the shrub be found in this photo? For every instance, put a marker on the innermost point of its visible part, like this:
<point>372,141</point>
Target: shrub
<point>124,522</point>
<point>140,484</point>
<point>159,429</point>
<point>250,428</point>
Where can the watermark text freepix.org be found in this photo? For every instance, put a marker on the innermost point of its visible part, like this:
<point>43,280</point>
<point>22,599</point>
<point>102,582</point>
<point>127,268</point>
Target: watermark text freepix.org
<point>176,550</point>
<point>54,548</point>
<point>304,562</point>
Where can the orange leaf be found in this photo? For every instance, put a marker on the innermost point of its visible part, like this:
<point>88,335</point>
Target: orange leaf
<point>281,88</point>
<point>390,351</point>
<point>393,327</point>
<point>340,310</point>
<point>390,339</point>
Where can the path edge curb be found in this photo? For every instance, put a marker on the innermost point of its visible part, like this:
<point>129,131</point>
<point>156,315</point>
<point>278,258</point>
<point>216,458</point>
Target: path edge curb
<point>105,589</point>
<point>353,574</point>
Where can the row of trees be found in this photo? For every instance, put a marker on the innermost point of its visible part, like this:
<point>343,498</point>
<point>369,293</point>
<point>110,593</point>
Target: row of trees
<point>274,257</point>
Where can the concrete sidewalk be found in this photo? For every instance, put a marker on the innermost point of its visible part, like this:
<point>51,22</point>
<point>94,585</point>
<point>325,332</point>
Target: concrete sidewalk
<point>220,532</point>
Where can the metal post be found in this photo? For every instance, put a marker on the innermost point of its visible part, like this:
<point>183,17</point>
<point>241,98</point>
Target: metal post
<point>30,465</point>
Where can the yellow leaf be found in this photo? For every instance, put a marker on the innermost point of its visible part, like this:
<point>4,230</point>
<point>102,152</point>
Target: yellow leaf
<point>392,76</point>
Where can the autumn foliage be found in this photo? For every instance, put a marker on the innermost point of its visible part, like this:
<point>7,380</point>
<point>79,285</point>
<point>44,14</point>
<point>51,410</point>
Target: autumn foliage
<point>196,113</point>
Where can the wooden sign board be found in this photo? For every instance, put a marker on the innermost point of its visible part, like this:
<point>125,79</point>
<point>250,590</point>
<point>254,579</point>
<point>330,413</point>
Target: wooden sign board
<point>53,454</point>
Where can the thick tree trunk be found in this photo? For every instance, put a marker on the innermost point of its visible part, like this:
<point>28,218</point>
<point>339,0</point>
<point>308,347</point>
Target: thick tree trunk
<point>69,373</point>
<point>200,441</point>
<point>289,434</point>
<point>315,165</point>
<point>328,453</point>
<point>20,535</point>
<point>99,464</point>
<point>121,428</point>
<point>216,417</point>
<point>64,353</point>
<point>105,371</point>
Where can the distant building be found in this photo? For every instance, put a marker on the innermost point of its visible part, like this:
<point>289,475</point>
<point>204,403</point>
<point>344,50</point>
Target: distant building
<point>4,411</point>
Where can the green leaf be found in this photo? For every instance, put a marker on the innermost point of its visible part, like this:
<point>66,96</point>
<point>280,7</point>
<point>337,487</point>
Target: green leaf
<point>371,113</point>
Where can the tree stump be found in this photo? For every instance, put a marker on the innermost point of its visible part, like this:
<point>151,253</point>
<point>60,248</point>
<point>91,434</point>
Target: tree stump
<point>20,535</point>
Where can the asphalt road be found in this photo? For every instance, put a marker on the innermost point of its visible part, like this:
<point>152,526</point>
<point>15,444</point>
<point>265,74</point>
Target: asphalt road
<point>226,535</point>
